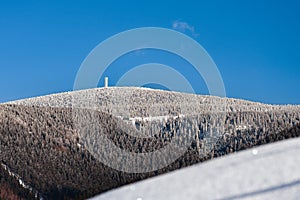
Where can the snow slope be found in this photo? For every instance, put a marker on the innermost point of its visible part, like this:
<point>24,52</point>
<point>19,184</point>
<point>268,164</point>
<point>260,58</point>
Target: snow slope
<point>267,172</point>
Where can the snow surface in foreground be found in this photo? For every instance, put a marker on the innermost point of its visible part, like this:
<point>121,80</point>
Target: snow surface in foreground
<point>267,172</point>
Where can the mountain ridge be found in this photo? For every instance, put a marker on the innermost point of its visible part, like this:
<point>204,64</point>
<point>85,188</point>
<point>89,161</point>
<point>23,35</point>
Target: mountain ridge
<point>51,156</point>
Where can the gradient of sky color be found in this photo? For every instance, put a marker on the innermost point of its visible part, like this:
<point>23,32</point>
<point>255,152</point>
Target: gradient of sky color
<point>255,44</point>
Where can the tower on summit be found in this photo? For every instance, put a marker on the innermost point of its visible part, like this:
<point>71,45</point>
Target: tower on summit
<point>106,82</point>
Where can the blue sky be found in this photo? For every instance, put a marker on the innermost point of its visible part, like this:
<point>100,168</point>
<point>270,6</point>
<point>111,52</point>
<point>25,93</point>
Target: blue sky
<point>255,44</point>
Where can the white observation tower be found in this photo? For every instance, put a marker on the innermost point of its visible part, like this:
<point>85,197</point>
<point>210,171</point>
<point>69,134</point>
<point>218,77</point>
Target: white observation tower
<point>106,82</point>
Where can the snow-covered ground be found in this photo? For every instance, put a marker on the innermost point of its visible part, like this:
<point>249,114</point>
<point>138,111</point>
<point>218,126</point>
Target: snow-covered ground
<point>133,120</point>
<point>124,98</point>
<point>267,172</point>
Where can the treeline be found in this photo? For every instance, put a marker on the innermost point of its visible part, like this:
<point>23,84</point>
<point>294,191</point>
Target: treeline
<point>58,157</point>
<point>10,188</point>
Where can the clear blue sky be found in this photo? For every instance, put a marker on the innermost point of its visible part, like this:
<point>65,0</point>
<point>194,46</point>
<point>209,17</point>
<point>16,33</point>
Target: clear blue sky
<point>255,44</point>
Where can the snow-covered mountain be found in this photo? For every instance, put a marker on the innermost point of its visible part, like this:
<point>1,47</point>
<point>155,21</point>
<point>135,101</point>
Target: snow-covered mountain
<point>51,142</point>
